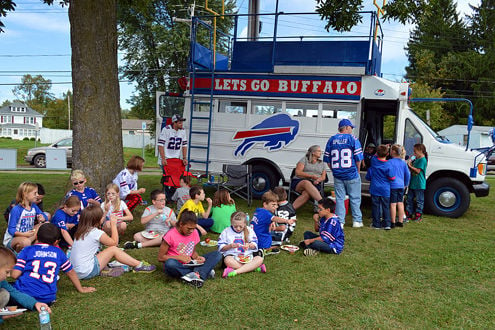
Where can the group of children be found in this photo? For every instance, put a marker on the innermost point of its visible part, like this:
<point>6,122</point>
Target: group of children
<point>390,175</point>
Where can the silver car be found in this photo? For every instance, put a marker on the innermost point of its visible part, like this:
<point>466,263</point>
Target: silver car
<point>37,156</point>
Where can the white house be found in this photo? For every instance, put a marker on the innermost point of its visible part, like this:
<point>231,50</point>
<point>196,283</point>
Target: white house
<point>19,121</point>
<point>135,127</point>
<point>458,135</point>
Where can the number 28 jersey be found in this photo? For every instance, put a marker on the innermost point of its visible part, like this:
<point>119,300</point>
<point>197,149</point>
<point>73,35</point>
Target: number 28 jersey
<point>341,153</point>
<point>172,141</point>
<point>40,265</point>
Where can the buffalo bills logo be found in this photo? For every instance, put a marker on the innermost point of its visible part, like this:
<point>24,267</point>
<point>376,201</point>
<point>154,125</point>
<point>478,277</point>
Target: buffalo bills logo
<point>379,92</point>
<point>275,132</point>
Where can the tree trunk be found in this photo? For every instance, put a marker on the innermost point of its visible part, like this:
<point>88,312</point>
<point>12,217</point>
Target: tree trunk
<point>97,146</point>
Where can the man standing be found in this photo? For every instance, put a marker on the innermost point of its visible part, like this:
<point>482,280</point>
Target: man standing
<point>344,154</point>
<point>171,143</point>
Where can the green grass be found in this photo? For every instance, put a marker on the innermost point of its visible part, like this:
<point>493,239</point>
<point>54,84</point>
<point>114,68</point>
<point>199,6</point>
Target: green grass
<point>23,146</point>
<point>433,274</point>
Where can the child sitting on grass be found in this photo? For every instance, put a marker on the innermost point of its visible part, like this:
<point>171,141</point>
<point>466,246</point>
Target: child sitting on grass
<point>222,208</point>
<point>21,230</point>
<point>194,204</point>
<point>181,194</point>
<point>67,218</point>
<point>157,218</point>
<point>239,241</point>
<point>86,195</point>
<point>330,238</point>
<point>8,292</point>
<point>283,231</point>
<point>264,220</point>
<point>38,266</point>
<point>86,259</point>
<point>178,253</point>
<point>113,205</point>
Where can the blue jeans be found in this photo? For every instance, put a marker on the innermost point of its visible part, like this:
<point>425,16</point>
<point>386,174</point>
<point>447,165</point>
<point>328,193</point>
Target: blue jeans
<point>353,189</point>
<point>318,245</point>
<point>175,268</point>
<point>420,201</point>
<point>380,208</point>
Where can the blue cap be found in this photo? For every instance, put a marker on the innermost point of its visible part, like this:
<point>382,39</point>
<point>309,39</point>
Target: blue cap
<point>345,122</point>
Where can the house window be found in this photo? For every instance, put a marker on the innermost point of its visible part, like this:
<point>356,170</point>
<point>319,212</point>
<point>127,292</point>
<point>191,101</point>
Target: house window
<point>31,120</point>
<point>132,133</point>
<point>16,132</point>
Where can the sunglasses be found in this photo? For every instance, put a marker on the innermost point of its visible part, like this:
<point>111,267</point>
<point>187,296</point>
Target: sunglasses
<point>77,182</point>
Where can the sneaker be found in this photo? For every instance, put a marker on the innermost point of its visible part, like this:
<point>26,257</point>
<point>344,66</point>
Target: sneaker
<point>342,225</point>
<point>393,225</point>
<point>192,279</point>
<point>130,245</point>
<point>261,268</point>
<point>399,224</point>
<point>272,251</point>
<point>232,274</point>
<point>211,274</point>
<point>357,224</point>
<point>373,227</point>
<point>144,268</point>
<point>310,252</point>
<point>418,217</point>
<point>112,272</point>
<point>302,245</point>
<point>387,228</point>
<point>226,271</point>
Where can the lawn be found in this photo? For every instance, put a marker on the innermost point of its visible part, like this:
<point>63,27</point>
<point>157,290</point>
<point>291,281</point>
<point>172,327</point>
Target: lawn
<point>433,274</point>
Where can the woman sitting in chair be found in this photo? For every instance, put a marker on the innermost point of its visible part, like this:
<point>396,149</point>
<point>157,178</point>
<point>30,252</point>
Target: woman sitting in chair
<point>309,175</point>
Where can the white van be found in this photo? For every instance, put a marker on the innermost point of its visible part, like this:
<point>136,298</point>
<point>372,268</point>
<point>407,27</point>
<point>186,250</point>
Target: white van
<point>267,110</point>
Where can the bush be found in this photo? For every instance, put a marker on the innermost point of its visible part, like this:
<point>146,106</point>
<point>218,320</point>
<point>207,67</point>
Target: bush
<point>31,139</point>
<point>26,139</point>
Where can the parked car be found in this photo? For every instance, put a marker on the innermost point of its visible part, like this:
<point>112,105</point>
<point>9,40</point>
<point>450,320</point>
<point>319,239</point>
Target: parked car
<point>37,156</point>
<point>490,161</point>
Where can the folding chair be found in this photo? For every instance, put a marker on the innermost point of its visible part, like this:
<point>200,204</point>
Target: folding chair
<point>237,180</point>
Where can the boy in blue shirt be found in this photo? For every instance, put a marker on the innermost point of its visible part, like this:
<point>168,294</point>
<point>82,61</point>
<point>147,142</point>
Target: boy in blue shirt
<point>330,237</point>
<point>264,220</point>
<point>380,175</point>
<point>38,266</point>
<point>7,262</point>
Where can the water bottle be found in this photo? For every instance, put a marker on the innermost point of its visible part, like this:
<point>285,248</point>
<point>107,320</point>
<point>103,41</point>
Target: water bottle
<point>247,218</point>
<point>45,319</point>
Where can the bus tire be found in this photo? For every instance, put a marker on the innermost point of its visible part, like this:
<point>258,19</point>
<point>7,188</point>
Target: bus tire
<point>447,197</point>
<point>263,179</point>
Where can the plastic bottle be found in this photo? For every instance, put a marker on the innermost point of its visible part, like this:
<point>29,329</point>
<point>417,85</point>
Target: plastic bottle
<point>247,218</point>
<point>45,323</point>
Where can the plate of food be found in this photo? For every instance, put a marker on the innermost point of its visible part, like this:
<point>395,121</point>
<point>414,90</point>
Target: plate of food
<point>244,258</point>
<point>209,242</point>
<point>11,310</point>
<point>193,263</point>
<point>290,248</point>
<point>150,234</point>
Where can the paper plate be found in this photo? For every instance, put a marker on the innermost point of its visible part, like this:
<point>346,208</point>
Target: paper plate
<point>193,263</point>
<point>5,311</point>
<point>150,234</point>
<point>244,259</point>
<point>211,243</point>
<point>290,248</point>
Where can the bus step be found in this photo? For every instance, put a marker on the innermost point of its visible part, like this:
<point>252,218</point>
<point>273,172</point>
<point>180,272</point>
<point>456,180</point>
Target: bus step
<point>199,132</point>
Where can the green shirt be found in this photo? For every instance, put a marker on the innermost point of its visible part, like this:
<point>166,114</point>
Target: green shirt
<point>221,217</point>
<point>418,181</point>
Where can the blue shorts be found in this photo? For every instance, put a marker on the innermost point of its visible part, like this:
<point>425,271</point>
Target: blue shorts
<point>95,272</point>
<point>397,195</point>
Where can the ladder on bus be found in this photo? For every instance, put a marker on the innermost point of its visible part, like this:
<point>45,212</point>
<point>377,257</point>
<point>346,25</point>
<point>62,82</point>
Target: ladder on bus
<point>198,131</point>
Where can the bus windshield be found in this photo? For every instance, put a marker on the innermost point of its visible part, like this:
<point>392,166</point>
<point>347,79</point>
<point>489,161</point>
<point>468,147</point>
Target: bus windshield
<point>437,136</point>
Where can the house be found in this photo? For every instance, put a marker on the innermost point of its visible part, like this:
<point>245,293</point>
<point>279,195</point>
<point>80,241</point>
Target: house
<point>19,121</point>
<point>458,134</point>
<point>135,127</point>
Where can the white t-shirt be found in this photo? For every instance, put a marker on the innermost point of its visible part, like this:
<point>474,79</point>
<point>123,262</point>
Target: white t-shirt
<point>84,251</point>
<point>111,211</point>
<point>229,235</point>
<point>172,142</point>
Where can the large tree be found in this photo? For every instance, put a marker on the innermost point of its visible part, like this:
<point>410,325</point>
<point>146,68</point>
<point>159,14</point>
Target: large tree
<point>34,90</point>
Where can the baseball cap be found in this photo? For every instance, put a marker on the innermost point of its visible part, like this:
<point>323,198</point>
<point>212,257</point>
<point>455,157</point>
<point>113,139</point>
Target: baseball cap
<point>345,122</point>
<point>177,118</point>
<point>371,145</point>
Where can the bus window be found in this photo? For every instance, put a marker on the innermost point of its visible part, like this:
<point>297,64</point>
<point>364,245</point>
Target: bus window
<point>302,109</point>
<point>227,106</point>
<point>340,110</point>
<point>170,105</point>
<point>266,108</point>
<point>203,107</point>
<point>411,137</point>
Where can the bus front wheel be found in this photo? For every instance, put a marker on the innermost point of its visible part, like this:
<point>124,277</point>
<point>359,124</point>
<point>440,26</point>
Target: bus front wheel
<point>447,197</point>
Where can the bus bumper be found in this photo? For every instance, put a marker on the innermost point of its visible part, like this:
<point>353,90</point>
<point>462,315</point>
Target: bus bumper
<point>481,190</point>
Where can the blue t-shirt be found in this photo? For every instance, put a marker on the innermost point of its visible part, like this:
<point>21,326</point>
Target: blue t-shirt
<point>61,219</point>
<point>40,265</point>
<point>332,233</point>
<point>261,226</point>
<point>380,174</point>
<point>341,153</point>
<point>401,173</point>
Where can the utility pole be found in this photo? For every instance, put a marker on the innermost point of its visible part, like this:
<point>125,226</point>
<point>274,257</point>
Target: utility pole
<point>68,107</point>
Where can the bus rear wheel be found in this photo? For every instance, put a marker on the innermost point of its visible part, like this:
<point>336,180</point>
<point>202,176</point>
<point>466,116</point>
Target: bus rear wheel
<point>263,179</point>
<point>447,197</point>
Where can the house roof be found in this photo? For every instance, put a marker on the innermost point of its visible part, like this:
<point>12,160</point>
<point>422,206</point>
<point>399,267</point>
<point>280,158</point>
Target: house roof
<point>6,110</point>
<point>15,125</point>
<point>136,124</point>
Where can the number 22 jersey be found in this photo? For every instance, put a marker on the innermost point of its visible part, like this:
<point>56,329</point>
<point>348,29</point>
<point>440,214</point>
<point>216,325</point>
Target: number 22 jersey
<point>39,265</point>
<point>172,141</point>
<point>341,153</point>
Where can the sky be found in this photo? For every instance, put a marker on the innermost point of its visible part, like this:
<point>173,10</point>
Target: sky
<point>36,41</point>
